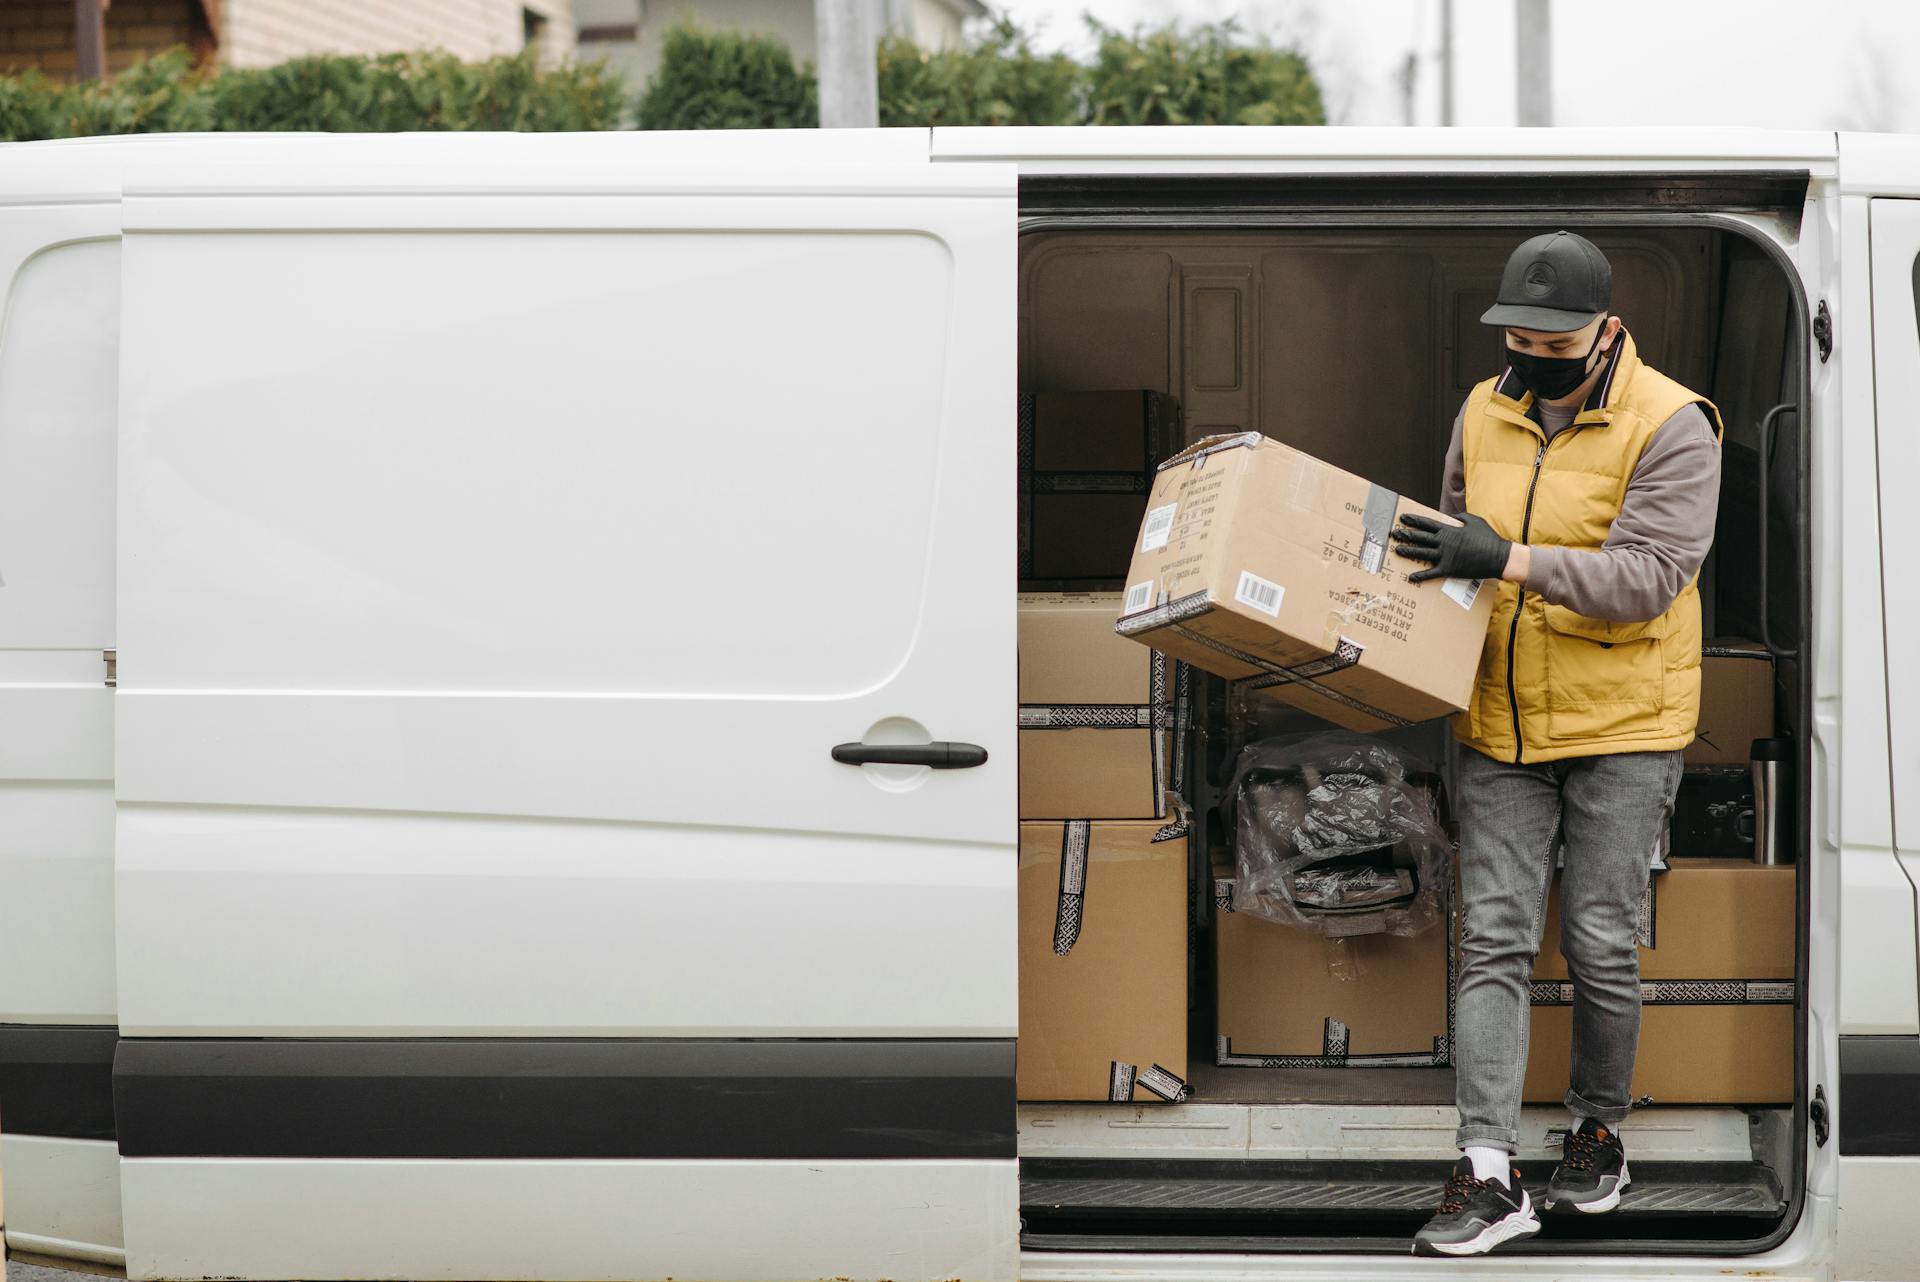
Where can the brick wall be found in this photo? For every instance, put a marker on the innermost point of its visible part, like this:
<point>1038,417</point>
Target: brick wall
<point>258,33</point>
<point>39,33</point>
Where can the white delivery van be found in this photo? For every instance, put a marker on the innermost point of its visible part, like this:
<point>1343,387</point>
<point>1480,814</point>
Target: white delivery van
<point>439,569</point>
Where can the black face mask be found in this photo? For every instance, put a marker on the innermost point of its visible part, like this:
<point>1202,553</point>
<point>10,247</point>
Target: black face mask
<point>1551,377</point>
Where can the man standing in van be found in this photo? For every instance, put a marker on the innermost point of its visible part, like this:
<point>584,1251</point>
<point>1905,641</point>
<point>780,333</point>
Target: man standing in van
<point>1586,483</point>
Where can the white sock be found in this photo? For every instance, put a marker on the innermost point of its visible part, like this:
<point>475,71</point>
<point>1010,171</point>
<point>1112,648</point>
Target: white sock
<point>1578,1118</point>
<point>1490,1164</point>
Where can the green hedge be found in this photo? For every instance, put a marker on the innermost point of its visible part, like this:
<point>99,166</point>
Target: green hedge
<point>706,80</point>
<point>392,92</point>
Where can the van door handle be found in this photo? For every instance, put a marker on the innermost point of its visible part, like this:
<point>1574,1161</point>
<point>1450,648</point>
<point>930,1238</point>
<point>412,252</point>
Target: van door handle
<point>941,755</point>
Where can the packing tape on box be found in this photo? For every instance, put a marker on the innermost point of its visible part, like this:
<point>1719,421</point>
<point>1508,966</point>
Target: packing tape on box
<point>1377,521</point>
<point>1068,914</point>
<point>1346,654</point>
<point>1679,992</point>
<point>1226,1056</point>
<point>1122,1078</point>
<point>1198,452</point>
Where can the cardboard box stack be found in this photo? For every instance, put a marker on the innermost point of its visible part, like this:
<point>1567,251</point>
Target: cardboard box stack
<point>1103,863</point>
<point>1717,989</point>
<point>1086,462</point>
<point>1098,714</point>
<point>1281,1004</point>
<point>1736,703</point>
<point>1260,563</point>
<point>1103,963</point>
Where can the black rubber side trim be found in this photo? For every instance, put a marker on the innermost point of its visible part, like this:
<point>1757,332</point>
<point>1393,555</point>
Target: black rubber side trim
<point>1879,1098</point>
<point>57,1079</point>
<point>565,1098</point>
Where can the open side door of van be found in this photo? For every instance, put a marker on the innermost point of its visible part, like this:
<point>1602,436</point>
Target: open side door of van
<point>542,570</point>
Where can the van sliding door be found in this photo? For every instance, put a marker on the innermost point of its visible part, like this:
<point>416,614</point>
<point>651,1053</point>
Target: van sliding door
<point>541,572</point>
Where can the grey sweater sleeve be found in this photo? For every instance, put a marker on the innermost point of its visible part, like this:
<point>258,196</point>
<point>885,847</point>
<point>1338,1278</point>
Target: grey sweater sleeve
<point>1453,483</point>
<point>1657,542</point>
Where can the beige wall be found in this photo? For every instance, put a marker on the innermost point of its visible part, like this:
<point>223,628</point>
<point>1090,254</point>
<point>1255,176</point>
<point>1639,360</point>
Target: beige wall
<point>259,33</point>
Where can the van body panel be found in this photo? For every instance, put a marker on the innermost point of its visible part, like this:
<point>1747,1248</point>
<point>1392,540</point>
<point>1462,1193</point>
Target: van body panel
<point>63,1197</point>
<point>464,700</point>
<point>585,1220</point>
<point>1296,149</point>
<point>1878,973</point>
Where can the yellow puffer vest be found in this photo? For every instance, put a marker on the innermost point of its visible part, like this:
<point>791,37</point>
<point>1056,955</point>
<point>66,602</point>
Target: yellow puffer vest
<point>1553,683</point>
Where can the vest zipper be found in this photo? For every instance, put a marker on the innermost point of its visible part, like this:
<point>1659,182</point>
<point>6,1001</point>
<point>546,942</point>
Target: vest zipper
<point>1513,630</point>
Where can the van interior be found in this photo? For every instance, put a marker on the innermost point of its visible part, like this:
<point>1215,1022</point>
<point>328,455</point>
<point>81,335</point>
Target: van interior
<point>1356,340</point>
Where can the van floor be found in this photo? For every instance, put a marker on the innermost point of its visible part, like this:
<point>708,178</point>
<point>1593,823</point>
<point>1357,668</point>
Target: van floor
<point>1293,1206</point>
<point>1238,1085</point>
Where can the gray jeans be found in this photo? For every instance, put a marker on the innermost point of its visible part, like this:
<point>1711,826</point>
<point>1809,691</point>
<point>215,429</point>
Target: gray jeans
<point>1610,809</point>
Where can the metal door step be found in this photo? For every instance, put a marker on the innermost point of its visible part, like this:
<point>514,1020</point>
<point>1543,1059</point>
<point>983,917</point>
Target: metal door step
<point>1278,1201</point>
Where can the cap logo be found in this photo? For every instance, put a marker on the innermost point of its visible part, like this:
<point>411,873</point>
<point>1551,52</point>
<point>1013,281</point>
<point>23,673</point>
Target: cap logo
<point>1539,279</point>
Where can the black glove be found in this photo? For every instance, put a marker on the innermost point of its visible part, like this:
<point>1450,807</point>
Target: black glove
<point>1470,550</point>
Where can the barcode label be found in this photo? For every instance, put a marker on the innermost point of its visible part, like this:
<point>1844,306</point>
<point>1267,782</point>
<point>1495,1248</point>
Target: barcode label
<point>1159,525</point>
<point>1259,593</point>
<point>1462,591</point>
<point>1139,597</point>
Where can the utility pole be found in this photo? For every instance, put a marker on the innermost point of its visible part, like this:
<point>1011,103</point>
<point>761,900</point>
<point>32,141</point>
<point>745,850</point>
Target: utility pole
<point>1446,62</point>
<point>1533,60</point>
<point>1409,78</point>
<point>843,37</point>
<point>90,38</point>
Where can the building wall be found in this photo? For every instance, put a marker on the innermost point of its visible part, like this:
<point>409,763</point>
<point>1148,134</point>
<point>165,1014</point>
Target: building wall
<point>627,33</point>
<point>39,33</point>
<point>259,33</point>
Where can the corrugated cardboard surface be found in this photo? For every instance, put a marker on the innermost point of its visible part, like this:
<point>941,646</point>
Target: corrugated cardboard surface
<point>1712,919</point>
<point>1712,1043</point>
<point>1276,992</point>
<point>1072,663</point>
<point>1119,994</point>
<point>1736,703</point>
<point>1269,553</point>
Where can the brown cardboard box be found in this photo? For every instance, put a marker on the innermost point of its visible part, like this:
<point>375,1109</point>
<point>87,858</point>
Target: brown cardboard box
<point>1088,749</point>
<point>1280,1005</point>
<point>1103,963</point>
<point>1258,561</point>
<point>1086,463</point>
<point>1736,703</point>
<point>1717,990</point>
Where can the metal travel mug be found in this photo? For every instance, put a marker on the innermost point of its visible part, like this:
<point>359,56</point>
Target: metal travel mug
<point>1772,761</point>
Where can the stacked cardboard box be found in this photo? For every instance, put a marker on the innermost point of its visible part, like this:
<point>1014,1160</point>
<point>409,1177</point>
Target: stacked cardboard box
<point>1290,998</point>
<point>1099,716</point>
<point>1260,563</point>
<point>1086,462</point>
<point>1736,703</point>
<point>1717,989</point>
<point>1103,963</point>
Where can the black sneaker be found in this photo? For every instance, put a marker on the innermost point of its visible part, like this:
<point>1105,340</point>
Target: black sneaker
<point>1592,1171</point>
<point>1476,1215</point>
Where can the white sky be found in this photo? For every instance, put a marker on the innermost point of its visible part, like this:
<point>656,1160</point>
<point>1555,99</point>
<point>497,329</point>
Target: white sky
<point>1785,64</point>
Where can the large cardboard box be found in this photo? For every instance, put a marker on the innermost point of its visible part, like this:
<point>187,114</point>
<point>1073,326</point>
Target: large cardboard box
<point>1103,963</point>
<point>1717,989</point>
<point>1086,463</point>
<point>1736,703</point>
<point>1257,561</point>
<point>1283,1003</point>
<point>1098,714</point>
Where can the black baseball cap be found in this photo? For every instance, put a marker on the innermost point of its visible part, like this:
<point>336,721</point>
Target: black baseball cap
<point>1554,283</point>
